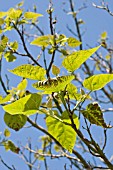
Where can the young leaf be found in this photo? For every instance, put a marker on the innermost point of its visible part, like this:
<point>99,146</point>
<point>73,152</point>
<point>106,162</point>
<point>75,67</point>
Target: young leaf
<point>94,114</point>
<point>63,133</point>
<point>20,4</point>
<point>9,56</point>
<point>97,82</point>
<point>73,42</point>
<point>32,16</point>
<point>26,105</point>
<point>14,45</point>
<point>55,70</point>
<point>29,71</point>
<point>9,145</point>
<point>42,41</point>
<point>54,85</point>
<point>73,61</point>
<point>14,13</point>
<point>15,122</point>
<point>4,41</point>
<point>62,39</point>
<point>7,133</point>
<point>104,35</point>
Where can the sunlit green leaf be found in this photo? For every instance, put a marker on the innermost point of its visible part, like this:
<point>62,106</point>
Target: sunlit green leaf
<point>55,70</point>
<point>22,85</point>
<point>73,42</point>
<point>14,13</point>
<point>97,82</point>
<point>15,122</point>
<point>5,99</point>
<point>63,133</point>
<point>53,85</point>
<point>62,39</point>
<point>29,71</point>
<point>26,105</point>
<point>7,133</point>
<point>32,16</point>
<point>94,114</point>
<point>2,14</point>
<point>42,41</point>
<point>73,61</point>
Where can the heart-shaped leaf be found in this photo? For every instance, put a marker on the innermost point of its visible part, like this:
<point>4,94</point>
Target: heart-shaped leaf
<point>63,133</point>
<point>15,122</point>
<point>97,82</point>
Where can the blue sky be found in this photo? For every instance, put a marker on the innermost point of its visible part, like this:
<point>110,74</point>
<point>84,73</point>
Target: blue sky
<point>96,21</point>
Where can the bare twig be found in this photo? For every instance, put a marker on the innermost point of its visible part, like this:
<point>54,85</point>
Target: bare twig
<point>104,7</point>
<point>21,34</point>
<point>5,164</point>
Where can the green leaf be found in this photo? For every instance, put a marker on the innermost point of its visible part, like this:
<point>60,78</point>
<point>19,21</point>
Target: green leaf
<point>53,85</point>
<point>14,13</point>
<point>73,61</point>
<point>55,70</point>
<point>32,16</point>
<point>9,56</point>
<point>7,133</point>
<point>26,105</point>
<point>104,35</point>
<point>62,39</point>
<point>73,42</point>
<point>63,133</point>
<point>22,85</point>
<point>9,145</point>
<point>94,114</point>
<point>72,90</point>
<point>20,4</point>
<point>2,14</point>
<point>1,21</point>
<point>5,99</point>
<point>15,122</point>
<point>97,82</point>
<point>42,41</point>
<point>29,71</point>
<point>14,45</point>
<point>3,42</point>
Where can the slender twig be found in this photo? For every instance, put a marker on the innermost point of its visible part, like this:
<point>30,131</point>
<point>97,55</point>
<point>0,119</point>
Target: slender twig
<point>21,34</point>
<point>2,82</point>
<point>79,34</point>
<point>38,28</point>
<point>52,33</point>
<point>106,8</point>
<point>47,133</point>
<point>105,139</point>
<point>6,164</point>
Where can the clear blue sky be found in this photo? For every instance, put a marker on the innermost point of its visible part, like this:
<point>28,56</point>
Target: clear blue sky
<point>96,21</point>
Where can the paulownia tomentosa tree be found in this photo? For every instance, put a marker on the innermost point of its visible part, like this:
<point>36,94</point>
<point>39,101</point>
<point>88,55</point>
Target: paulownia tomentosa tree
<point>62,96</point>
